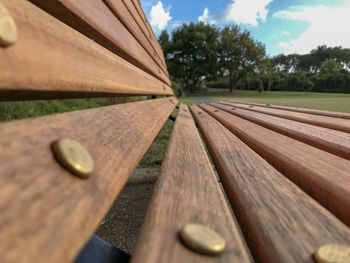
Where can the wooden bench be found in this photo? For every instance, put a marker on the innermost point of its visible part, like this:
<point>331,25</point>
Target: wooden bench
<point>279,191</point>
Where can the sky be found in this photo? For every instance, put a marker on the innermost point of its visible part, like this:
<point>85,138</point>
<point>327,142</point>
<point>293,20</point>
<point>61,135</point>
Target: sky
<point>283,26</point>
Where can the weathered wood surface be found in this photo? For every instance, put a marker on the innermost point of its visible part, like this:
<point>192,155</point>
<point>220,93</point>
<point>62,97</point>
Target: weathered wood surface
<point>332,141</point>
<point>51,60</point>
<point>303,110</point>
<point>123,14</point>
<point>187,191</point>
<point>338,124</point>
<point>324,176</point>
<point>47,214</point>
<point>280,221</point>
<point>137,5</point>
<point>94,19</point>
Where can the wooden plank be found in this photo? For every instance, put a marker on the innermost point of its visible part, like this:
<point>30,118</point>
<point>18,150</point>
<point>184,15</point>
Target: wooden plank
<point>143,16</point>
<point>142,25</point>
<point>303,110</point>
<point>93,19</point>
<point>47,214</point>
<point>332,141</point>
<point>187,191</point>
<point>55,61</point>
<point>338,124</point>
<point>280,221</point>
<point>324,176</point>
<point>123,14</point>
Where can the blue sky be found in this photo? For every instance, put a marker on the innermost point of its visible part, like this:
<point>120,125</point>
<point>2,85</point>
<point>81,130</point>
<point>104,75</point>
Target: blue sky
<point>284,26</point>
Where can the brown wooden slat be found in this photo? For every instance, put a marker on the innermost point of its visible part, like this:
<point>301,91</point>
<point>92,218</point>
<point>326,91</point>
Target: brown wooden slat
<point>338,124</point>
<point>143,16</point>
<point>187,191</point>
<point>142,25</point>
<point>122,13</point>
<point>324,176</point>
<point>94,19</point>
<point>332,141</point>
<point>281,222</point>
<point>303,110</point>
<point>46,213</point>
<point>51,60</point>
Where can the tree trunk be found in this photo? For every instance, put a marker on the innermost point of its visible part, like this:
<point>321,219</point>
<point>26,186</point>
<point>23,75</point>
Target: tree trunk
<point>230,83</point>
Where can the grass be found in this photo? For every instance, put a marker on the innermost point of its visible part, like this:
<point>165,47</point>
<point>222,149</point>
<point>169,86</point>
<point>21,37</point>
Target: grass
<point>322,101</point>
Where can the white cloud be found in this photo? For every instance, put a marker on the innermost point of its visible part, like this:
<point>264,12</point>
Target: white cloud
<point>285,33</point>
<point>247,11</point>
<point>159,16</point>
<point>206,17</point>
<point>327,26</point>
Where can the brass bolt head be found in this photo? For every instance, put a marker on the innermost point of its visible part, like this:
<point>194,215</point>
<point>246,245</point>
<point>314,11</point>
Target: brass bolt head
<point>202,239</point>
<point>333,253</point>
<point>8,29</point>
<point>74,157</point>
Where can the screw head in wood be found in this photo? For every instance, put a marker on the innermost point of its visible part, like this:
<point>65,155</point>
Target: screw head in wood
<point>202,239</point>
<point>74,157</point>
<point>8,29</point>
<point>333,253</point>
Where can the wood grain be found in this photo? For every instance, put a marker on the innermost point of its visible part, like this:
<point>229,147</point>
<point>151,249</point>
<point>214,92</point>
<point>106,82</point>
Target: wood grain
<point>303,110</point>
<point>136,12</point>
<point>324,176</point>
<point>281,222</point>
<point>123,14</point>
<point>338,124</point>
<point>51,60</point>
<point>187,191</point>
<point>94,19</point>
<point>47,214</point>
<point>143,16</point>
<point>332,141</point>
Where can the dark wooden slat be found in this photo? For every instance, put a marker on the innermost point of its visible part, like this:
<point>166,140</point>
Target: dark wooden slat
<point>187,191</point>
<point>324,176</point>
<point>47,214</point>
<point>93,19</point>
<point>281,222</point>
<point>338,124</point>
<point>51,60</point>
<point>332,141</point>
<point>123,14</point>
<point>303,110</point>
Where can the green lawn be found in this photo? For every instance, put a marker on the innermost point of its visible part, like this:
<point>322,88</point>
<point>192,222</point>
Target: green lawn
<point>323,101</point>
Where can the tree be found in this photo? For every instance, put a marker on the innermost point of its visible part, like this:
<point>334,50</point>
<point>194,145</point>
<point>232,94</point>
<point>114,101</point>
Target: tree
<point>238,54</point>
<point>192,54</point>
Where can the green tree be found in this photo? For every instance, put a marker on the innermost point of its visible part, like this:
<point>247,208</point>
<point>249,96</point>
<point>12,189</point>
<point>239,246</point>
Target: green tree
<point>192,55</point>
<point>238,54</point>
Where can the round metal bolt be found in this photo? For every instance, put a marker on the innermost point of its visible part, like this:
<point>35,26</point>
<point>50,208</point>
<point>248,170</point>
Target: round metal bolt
<point>333,253</point>
<point>202,239</point>
<point>74,157</point>
<point>8,29</point>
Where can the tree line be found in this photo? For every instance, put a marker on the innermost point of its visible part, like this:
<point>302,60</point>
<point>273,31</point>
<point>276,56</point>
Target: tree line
<point>202,55</point>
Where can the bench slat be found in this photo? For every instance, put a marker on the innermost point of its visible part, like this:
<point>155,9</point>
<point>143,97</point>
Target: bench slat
<point>47,214</point>
<point>51,60</point>
<point>187,191</point>
<point>324,176</point>
<point>280,221</point>
<point>122,13</point>
<point>303,110</point>
<point>143,17</point>
<point>338,124</point>
<point>94,19</point>
<point>332,141</point>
